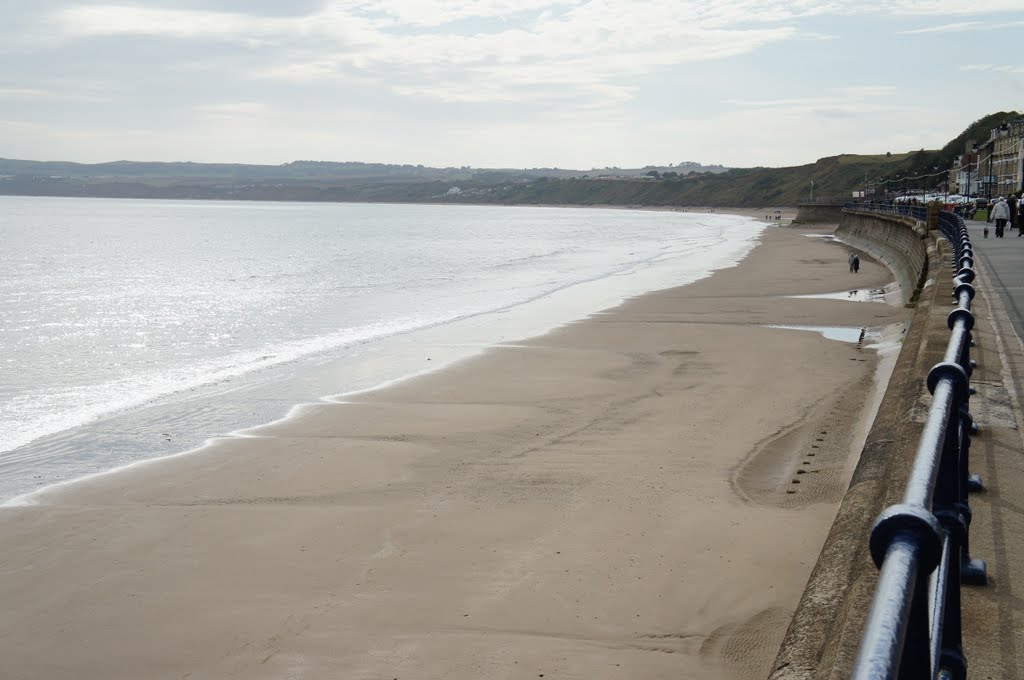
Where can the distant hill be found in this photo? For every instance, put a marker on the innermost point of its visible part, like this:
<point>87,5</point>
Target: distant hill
<point>306,171</point>
<point>683,184</point>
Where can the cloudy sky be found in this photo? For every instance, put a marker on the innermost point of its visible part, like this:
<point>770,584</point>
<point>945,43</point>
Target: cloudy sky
<point>500,83</point>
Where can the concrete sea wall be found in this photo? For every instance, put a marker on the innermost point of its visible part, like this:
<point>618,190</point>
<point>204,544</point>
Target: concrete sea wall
<point>824,633</point>
<point>818,213</point>
<point>897,242</point>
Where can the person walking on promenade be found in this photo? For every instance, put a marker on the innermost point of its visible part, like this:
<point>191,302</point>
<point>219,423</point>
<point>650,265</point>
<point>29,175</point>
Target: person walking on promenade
<point>849,261</point>
<point>1019,221</point>
<point>856,264</point>
<point>1012,202</point>
<point>1000,212</point>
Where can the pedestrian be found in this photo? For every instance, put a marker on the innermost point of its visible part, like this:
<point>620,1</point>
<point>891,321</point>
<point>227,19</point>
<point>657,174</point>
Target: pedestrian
<point>856,264</point>
<point>849,261</point>
<point>1000,213</point>
<point>1012,202</point>
<point>1020,213</point>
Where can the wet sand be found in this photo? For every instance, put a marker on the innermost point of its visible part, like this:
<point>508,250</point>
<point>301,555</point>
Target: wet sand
<point>638,495</point>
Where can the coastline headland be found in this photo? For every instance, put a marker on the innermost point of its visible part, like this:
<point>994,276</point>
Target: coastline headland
<point>642,494</point>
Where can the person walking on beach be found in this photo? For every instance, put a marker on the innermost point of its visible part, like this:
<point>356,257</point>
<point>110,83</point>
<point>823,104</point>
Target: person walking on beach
<point>856,264</point>
<point>1000,213</point>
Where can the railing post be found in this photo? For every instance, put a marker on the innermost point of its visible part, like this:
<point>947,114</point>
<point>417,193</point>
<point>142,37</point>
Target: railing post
<point>949,511</point>
<point>916,663</point>
<point>972,572</point>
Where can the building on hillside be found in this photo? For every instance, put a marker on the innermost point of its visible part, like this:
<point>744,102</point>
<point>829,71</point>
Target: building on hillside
<point>1006,148</point>
<point>983,167</point>
<point>1014,156</point>
<point>964,175</point>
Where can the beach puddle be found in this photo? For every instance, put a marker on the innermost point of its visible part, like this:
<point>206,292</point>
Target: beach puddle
<point>859,295</point>
<point>852,334</point>
<point>827,237</point>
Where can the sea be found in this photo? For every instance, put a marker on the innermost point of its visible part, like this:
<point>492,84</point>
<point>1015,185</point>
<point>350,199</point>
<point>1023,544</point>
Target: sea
<point>135,329</point>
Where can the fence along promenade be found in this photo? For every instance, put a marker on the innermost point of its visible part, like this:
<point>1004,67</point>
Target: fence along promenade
<point>921,545</point>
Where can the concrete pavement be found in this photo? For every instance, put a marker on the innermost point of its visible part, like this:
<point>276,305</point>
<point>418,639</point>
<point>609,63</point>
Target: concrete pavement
<point>994,614</point>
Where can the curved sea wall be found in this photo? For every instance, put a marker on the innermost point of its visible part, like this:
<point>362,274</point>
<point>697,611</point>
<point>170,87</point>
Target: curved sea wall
<point>824,633</point>
<point>896,241</point>
<point>818,213</point>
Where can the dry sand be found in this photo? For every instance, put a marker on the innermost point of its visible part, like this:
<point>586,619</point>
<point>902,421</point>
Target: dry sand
<point>638,495</point>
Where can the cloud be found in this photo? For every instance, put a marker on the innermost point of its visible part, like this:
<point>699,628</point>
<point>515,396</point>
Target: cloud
<point>478,51</point>
<point>91,21</point>
<point>948,7</point>
<point>37,94</point>
<point>421,79</point>
<point>585,46</point>
<point>993,68</point>
<point>837,102</point>
<point>440,12</point>
<point>58,90</point>
<point>946,28</point>
<point>111,20</point>
<point>866,90</point>
<point>234,109</point>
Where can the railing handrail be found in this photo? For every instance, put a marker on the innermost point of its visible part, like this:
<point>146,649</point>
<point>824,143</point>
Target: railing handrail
<point>823,201</point>
<point>921,544</point>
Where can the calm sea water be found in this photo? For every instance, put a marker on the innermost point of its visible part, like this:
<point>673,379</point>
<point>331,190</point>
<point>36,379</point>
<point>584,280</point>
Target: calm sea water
<point>135,329</point>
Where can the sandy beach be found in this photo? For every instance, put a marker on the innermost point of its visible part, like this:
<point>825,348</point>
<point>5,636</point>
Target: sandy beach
<point>641,494</point>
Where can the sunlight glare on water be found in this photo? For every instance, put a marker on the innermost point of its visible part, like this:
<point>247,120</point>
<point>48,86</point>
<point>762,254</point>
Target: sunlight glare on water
<point>131,329</point>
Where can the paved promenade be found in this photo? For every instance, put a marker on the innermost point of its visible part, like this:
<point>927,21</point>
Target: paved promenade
<point>994,614</point>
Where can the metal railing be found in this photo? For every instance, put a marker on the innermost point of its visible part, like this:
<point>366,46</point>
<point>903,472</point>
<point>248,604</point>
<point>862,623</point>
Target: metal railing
<point>921,546</point>
<point>918,212</point>
<point>823,201</point>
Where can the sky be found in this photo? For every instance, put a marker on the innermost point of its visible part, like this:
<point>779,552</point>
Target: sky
<point>500,83</point>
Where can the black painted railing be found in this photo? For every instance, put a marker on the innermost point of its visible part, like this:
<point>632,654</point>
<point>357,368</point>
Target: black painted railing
<point>824,201</point>
<point>921,546</point>
<point>918,212</point>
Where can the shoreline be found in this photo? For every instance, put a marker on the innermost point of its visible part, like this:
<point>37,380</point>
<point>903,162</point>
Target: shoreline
<point>561,506</point>
<point>517,325</point>
<point>609,206</point>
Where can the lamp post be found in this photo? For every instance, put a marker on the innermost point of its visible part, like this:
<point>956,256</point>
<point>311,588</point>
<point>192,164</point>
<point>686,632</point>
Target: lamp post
<point>812,191</point>
<point>1022,167</point>
<point>988,178</point>
<point>970,167</point>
